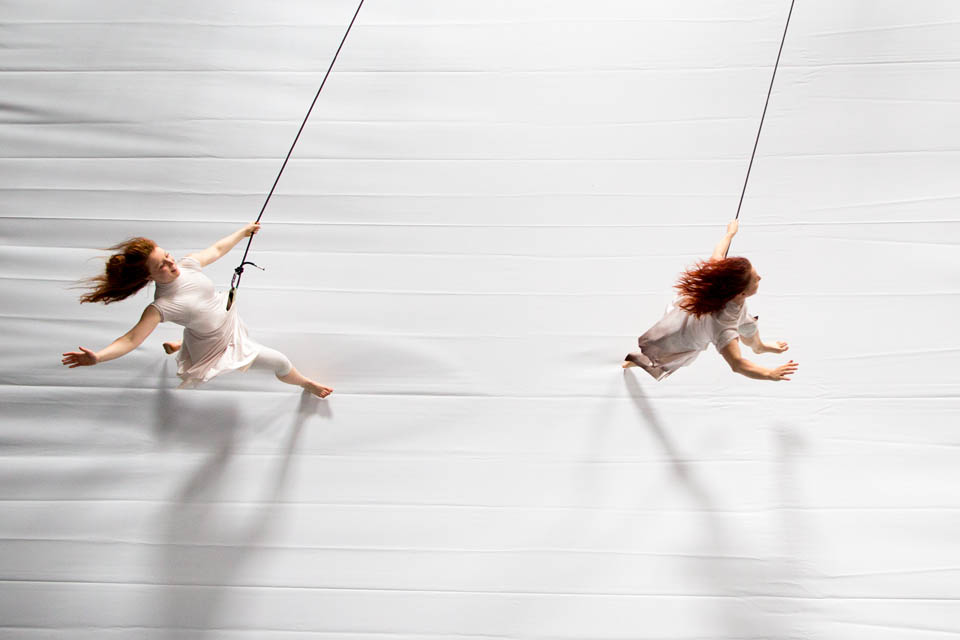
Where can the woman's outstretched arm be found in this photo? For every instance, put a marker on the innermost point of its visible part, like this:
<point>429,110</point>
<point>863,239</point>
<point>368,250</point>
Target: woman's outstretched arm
<point>119,347</point>
<point>720,251</point>
<point>222,246</point>
<point>731,353</point>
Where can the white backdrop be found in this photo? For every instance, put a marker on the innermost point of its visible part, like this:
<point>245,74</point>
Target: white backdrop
<point>488,205</point>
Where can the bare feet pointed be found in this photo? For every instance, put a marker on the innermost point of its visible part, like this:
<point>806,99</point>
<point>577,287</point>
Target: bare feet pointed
<point>317,389</point>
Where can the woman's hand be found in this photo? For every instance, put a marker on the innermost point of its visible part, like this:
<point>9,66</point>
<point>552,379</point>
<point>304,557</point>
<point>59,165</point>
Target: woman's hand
<point>720,251</point>
<point>250,229</point>
<point>83,358</point>
<point>773,347</point>
<point>784,370</point>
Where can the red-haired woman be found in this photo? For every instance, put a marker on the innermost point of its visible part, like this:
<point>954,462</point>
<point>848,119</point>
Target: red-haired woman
<point>711,309</point>
<point>214,341</point>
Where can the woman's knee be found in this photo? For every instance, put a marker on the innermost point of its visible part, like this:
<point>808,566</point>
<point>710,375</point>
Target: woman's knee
<point>275,361</point>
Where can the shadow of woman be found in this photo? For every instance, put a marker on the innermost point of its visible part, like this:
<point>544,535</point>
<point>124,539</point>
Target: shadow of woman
<point>800,606</point>
<point>207,542</point>
<point>729,576</point>
<point>678,465</point>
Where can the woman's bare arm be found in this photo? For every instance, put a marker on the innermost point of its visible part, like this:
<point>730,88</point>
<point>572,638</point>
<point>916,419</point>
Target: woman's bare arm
<point>720,251</point>
<point>731,353</point>
<point>222,246</point>
<point>759,346</point>
<point>753,341</point>
<point>119,347</point>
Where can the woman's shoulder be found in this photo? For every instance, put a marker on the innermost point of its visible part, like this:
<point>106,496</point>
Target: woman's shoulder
<point>730,312</point>
<point>190,262</point>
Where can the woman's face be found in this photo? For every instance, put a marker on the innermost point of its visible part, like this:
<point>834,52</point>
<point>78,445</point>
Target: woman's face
<point>753,285</point>
<point>162,267</point>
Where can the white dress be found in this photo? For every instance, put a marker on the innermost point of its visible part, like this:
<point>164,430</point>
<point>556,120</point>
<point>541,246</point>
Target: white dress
<point>679,337</point>
<point>215,340</point>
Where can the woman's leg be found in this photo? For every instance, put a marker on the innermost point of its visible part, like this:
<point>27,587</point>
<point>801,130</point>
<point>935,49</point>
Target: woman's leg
<point>280,365</point>
<point>638,359</point>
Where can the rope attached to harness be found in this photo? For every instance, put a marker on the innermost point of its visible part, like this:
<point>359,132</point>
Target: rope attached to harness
<point>238,272</point>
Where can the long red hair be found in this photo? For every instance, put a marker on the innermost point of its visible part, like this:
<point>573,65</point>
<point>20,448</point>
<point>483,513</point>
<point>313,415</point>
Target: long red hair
<point>125,273</point>
<point>709,285</point>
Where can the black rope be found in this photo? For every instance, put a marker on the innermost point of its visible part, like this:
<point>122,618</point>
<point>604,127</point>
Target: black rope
<point>238,272</point>
<point>764,115</point>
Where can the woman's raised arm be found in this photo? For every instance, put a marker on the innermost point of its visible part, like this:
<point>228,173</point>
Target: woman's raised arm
<point>720,251</point>
<point>119,347</point>
<point>222,246</point>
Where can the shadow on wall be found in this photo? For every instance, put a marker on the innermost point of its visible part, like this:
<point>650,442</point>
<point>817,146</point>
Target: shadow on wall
<point>795,535</point>
<point>732,578</point>
<point>193,417</point>
<point>208,542</point>
<point>650,418</point>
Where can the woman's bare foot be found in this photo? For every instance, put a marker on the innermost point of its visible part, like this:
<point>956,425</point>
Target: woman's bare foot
<point>627,364</point>
<point>317,389</point>
<point>171,347</point>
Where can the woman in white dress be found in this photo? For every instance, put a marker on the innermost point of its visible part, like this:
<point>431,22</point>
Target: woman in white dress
<point>214,341</point>
<point>711,309</point>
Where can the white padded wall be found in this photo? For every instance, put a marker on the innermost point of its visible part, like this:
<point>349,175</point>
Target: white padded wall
<point>489,203</point>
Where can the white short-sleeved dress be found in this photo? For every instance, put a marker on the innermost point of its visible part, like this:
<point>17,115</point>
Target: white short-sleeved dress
<point>215,340</point>
<point>679,337</point>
